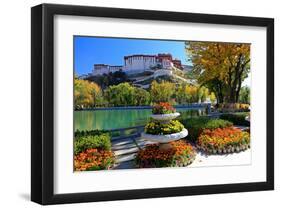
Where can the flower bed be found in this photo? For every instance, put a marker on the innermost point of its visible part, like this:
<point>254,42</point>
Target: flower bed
<point>92,150</point>
<point>163,108</point>
<point>93,159</point>
<point>180,154</point>
<point>158,128</point>
<point>223,140</point>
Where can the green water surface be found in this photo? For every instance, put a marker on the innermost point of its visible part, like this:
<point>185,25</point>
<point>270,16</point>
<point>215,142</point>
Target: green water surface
<point>112,119</point>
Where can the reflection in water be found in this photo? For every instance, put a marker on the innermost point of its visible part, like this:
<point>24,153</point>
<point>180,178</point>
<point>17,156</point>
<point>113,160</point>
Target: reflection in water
<point>111,119</point>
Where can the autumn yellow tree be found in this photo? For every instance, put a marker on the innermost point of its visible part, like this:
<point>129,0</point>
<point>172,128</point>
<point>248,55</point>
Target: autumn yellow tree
<point>86,94</point>
<point>188,93</point>
<point>162,92</point>
<point>192,92</point>
<point>221,67</point>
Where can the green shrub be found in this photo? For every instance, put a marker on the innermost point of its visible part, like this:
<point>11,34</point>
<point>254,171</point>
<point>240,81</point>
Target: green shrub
<point>196,125</point>
<point>100,141</point>
<point>236,118</point>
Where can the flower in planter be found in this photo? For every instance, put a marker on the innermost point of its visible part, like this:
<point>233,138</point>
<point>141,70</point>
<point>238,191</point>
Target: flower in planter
<point>158,128</point>
<point>163,108</point>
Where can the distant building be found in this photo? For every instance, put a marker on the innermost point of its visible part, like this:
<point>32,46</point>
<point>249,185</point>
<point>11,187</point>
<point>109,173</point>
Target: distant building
<point>101,69</point>
<point>115,68</point>
<point>177,63</point>
<point>139,63</point>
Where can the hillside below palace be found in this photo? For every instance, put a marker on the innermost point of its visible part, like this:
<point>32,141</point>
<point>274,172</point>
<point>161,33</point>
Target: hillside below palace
<point>140,63</point>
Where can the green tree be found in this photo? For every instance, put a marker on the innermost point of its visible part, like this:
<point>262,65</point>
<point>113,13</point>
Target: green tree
<point>192,92</point>
<point>162,92</point>
<point>213,97</point>
<point>244,96</point>
<point>203,93</point>
<point>186,94</point>
<point>141,97</point>
<point>124,94</point>
<point>181,95</point>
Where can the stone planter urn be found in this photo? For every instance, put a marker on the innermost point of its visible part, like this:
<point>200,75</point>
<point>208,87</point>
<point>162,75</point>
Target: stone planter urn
<point>164,140</point>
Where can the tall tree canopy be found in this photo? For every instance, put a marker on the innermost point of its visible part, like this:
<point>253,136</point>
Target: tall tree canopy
<point>162,92</point>
<point>221,67</point>
<point>124,94</point>
<point>86,94</point>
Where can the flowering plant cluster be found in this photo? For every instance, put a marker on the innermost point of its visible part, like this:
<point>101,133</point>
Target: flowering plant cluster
<point>158,128</point>
<point>180,154</point>
<point>223,140</point>
<point>93,159</point>
<point>163,108</point>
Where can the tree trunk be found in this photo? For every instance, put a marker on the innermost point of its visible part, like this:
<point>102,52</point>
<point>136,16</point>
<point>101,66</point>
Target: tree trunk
<point>238,91</point>
<point>220,94</point>
<point>239,84</point>
<point>237,77</point>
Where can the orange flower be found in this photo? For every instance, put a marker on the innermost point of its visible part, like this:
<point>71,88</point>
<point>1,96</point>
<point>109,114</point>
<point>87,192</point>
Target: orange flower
<point>93,159</point>
<point>180,154</point>
<point>223,138</point>
<point>163,108</point>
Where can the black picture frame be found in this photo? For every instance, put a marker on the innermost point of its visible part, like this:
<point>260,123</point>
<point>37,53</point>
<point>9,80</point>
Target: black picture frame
<point>42,103</point>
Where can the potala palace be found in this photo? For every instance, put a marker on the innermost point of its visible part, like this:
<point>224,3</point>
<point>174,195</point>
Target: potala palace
<point>139,63</point>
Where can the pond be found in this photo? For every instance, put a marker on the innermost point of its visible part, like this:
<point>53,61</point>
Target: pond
<point>121,118</point>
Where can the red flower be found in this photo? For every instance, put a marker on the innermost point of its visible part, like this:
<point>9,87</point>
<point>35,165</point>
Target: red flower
<point>163,108</point>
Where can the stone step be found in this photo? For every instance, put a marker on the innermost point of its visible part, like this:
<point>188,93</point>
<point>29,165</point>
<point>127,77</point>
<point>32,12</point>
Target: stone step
<point>126,151</point>
<point>142,143</point>
<point>124,146</point>
<point>123,141</point>
<point>118,138</point>
<point>125,158</point>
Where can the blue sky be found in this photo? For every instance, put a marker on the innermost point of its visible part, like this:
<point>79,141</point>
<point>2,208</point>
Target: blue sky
<point>97,50</point>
